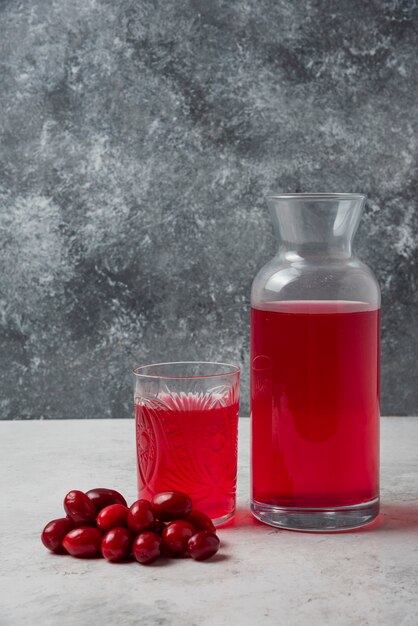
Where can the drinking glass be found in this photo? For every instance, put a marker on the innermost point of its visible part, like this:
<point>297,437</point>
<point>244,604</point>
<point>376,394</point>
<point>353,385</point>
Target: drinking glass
<point>186,433</point>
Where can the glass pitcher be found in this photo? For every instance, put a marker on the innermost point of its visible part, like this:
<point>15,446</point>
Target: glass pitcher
<point>315,370</point>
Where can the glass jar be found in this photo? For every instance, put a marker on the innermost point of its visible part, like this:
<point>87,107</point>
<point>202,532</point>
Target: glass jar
<point>315,370</point>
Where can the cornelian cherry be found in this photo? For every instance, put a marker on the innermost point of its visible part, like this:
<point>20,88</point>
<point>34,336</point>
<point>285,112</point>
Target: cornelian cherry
<point>141,516</point>
<point>112,516</point>
<point>171,505</point>
<point>147,547</point>
<point>54,532</point>
<point>83,542</point>
<point>116,544</point>
<point>167,525</point>
<point>101,497</point>
<point>176,535</point>
<point>200,521</point>
<point>203,545</point>
<point>79,508</point>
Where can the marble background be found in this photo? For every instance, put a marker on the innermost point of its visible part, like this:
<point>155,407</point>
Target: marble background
<point>138,141</point>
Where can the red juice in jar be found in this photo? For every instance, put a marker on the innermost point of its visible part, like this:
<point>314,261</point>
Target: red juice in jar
<point>315,404</point>
<point>188,442</point>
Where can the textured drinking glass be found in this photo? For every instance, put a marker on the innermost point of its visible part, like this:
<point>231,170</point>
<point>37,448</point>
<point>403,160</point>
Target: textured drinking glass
<point>315,370</point>
<point>186,433</point>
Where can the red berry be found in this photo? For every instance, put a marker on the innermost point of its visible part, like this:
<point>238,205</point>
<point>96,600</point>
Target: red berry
<point>147,547</point>
<point>117,544</point>
<point>203,545</point>
<point>79,508</point>
<point>101,497</point>
<point>141,516</point>
<point>83,542</point>
<point>176,535</point>
<point>112,516</point>
<point>171,505</point>
<point>200,521</point>
<point>54,532</point>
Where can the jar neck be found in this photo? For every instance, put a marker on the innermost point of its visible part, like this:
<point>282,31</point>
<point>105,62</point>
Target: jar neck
<point>316,226</point>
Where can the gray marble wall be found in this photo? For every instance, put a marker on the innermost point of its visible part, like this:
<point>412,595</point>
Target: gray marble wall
<point>138,141</point>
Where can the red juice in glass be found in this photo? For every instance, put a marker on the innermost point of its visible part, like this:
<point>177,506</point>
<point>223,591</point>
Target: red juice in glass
<point>183,445</point>
<point>315,403</point>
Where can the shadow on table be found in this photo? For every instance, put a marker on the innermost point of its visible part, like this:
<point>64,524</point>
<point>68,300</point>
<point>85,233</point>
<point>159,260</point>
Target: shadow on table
<point>402,516</point>
<point>243,518</point>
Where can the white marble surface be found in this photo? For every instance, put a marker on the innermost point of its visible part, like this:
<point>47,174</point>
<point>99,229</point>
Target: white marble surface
<point>261,575</point>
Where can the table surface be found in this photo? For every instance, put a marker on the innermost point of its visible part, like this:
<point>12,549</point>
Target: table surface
<point>260,576</point>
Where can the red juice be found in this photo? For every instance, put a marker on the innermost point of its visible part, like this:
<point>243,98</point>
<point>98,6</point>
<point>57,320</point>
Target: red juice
<point>315,403</point>
<point>188,442</point>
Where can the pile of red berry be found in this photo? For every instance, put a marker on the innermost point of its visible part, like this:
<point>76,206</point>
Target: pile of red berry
<point>99,523</point>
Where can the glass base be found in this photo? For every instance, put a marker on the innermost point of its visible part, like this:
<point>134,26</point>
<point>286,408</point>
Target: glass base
<point>317,520</point>
<point>225,518</point>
